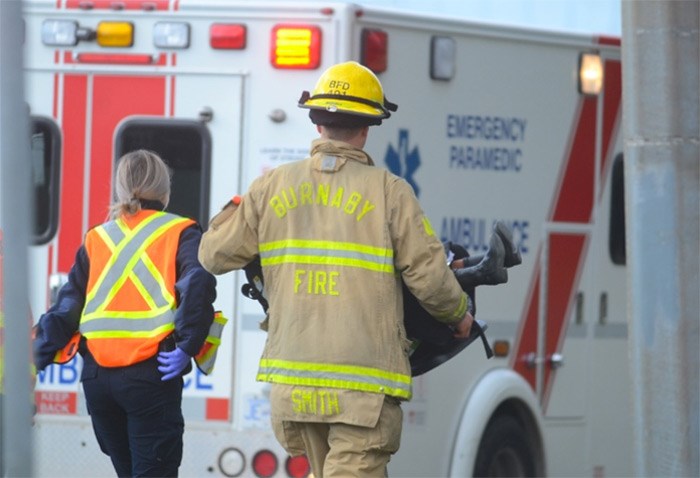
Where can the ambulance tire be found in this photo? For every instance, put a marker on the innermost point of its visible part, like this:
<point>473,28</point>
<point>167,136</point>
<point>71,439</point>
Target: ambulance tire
<point>504,450</point>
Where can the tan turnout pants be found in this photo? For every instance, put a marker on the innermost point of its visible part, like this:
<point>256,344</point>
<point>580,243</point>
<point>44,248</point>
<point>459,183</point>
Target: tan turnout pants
<point>342,450</point>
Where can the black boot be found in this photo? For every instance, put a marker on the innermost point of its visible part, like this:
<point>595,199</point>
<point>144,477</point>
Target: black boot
<point>489,271</point>
<point>512,253</point>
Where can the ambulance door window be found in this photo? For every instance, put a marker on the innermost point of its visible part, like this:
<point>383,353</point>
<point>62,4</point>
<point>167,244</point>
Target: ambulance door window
<point>45,175</point>
<point>616,241</point>
<point>185,145</point>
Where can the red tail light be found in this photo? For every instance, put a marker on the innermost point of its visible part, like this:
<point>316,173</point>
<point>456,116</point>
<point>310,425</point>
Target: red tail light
<point>227,36</point>
<point>374,50</point>
<point>297,466</point>
<point>264,464</point>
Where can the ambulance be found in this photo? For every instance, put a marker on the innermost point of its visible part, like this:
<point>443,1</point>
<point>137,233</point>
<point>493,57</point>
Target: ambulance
<point>494,122</point>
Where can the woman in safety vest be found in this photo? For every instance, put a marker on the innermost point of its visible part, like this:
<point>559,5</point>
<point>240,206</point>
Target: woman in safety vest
<point>137,307</point>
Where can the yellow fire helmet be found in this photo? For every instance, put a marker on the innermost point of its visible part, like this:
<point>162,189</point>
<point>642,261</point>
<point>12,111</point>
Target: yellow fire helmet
<point>349,88</point>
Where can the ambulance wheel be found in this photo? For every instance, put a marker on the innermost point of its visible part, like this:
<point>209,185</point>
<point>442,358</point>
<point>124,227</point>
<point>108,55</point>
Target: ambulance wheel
<point>504,450</point>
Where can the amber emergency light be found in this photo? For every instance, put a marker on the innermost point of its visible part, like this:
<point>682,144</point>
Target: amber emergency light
<point>115,34</point>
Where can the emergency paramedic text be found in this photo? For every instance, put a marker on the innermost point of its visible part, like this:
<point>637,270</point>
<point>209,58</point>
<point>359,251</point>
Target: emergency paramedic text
<point>478,129</point>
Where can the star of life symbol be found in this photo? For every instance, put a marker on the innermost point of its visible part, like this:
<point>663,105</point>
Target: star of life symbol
<point>403,162</point>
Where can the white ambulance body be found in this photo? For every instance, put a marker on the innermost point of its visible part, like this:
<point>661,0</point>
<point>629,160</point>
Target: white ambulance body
<point>492,124</point>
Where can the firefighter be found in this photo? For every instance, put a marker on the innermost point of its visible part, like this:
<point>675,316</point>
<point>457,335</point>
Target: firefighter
<point>141,305</point>
<point>336,236</point>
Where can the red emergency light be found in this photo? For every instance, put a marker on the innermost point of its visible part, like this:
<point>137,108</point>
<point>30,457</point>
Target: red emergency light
<point>297,466</point>
<point>264,464</point>
<point>296,47</point>
<point>374,48</point>
<point>227,36</point>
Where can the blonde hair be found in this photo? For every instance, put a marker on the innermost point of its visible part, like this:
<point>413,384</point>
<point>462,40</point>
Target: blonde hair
<point>141,174</point>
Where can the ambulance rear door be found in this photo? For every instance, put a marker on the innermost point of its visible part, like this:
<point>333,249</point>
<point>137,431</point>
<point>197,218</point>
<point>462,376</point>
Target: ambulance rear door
<point>104,112</point>
<point>200,138</point>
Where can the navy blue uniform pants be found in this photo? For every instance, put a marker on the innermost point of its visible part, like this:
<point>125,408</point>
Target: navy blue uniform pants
<point>137,418</point>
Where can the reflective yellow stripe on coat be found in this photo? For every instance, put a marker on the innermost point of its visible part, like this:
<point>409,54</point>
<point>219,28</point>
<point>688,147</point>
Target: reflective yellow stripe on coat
<point>330,253</point>
<point>348,377</point>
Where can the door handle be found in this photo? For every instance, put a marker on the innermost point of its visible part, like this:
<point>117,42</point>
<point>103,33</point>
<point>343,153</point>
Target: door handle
<point>556,361</point>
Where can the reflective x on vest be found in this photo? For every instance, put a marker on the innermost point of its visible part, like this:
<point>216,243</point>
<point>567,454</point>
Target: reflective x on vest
<point>127,261</point>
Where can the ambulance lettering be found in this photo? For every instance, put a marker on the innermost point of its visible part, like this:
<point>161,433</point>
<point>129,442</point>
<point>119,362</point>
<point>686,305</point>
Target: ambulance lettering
<point>197,382</point>
<point>474,233</point>
<point>487,143</point>
<point>61,374</point>
<point>258,409</point>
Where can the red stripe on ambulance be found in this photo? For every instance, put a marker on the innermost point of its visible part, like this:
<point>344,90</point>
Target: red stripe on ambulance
<point>573,203</point>
<point>612,88</point>
<point>526,339</point>
<point>567,251</point>
<point>114,99</point>
<point>70,233</point>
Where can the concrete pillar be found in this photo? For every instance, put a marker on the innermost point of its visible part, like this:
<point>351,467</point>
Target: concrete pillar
<point>660,57</point>
<point>15,213</point>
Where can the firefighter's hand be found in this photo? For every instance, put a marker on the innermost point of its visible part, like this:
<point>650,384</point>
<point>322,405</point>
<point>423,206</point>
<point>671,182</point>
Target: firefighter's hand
<point>463,327</point>
<point>172,363</point>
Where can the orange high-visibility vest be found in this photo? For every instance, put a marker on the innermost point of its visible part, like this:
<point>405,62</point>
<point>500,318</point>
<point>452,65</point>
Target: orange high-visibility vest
<point>130,298</point>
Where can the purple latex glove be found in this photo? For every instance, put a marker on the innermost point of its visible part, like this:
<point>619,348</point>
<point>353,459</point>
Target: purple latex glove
<point>172,363</point>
